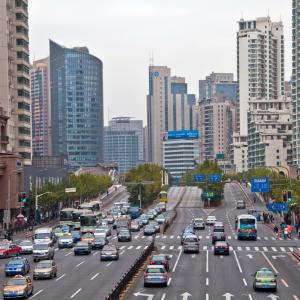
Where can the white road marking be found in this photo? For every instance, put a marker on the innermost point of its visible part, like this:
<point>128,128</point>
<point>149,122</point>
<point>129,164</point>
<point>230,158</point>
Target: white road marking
<point>162,247</point>
<point>97,274</point>
<point>250,297</point>
<point>169,281</point>
<point>179,247</point>
<point>164,237</point>
<point>282,249</point>
<point>177,260</point>
<point>295,297</point>
<point>121,253</point>
<point>237,261</point>
<point>248,248</point>
<point>163,296</point>
<point>284,283</point>
<point>204,247</point>
<point>130,247</point>
<point>95,253</point>
<point>207,281</point>
<point>207,266</point>
<point>122,247</point>
<point>109,264</point>
<point>259,238</point>
<point>265,249</point>
<point>178,236</point>
<point>114,237</point>
<point>171,247</point>
<point>37,293</point>
<point>266,238</point>
<point>80,263</point>
<point>56,249</point>
<point>146,247</point>
<point>207,237</point>
<point>269,262</point>
<point>78,291</point>
<point>245,282</point>
<point>60,277</point>
<point>206,296</point>
<point>239,248</point>
<point>291,249</point>
<point>274,249</point>
<point>138,247</point>
<point>229,237</point>
<point>256,248</point>
<point>172,236</point>
<point>68,253</point>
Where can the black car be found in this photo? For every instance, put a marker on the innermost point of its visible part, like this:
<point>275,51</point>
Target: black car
<point>218,236</point>
<point>99,242</point>
<point>82,248</point>
<point>124,236</point>
<point>221,247</point>
<point>76,235</point>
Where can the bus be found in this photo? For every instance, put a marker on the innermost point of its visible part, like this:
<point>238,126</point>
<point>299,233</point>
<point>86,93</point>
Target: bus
<point>93,205</point>
<point>163,197</point>
<point>65,216</point>
<point>89,221</point>
<point>246,227</point>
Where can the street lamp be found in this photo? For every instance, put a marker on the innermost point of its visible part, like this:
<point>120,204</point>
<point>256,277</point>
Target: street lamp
<point>36,202</point>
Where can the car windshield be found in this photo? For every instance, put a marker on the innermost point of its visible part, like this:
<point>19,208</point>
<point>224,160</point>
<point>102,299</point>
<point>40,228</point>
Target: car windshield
<point>218,229</point>
<point>44,265</point>
<point>109,248</point>
<point>191,239</point>
<point>81,245</point>
<point>247,221</point>
<point>26,243</point>
<point>45,235</point>
<point>265,274</point>
<point>40,247</point>
<point>198,220</point>
<point>158,257</point>
<point>75,233</point>
<point>15,263</point>
<point>19,281</point>
<point>66,237</point>
<point>57,230</point>
<point>155,270</point>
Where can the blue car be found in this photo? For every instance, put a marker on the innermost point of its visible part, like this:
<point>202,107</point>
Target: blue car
<point>17,266</point>
<point>65,228</point>
<point>76,235</point>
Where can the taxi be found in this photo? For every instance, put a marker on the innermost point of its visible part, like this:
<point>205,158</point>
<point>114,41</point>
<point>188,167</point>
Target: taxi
<point>88,238</point>
<point>18,287</point>
<point>17,265</point>
<point>8,249</point>
<point>265,279</point>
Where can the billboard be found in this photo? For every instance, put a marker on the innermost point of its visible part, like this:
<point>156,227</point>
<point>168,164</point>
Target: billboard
<point>181,134</point>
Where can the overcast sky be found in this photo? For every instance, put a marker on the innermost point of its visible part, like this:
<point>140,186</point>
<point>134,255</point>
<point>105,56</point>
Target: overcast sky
<point>192,37</point>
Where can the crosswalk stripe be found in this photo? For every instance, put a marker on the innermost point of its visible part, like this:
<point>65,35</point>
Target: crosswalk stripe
<point>164,237</point>
<point>179,247</point>
<point>259,238</point>
<point>178,236</point>
<point>256,248</point>
<point>114,237</point>
<point>273,238</point>
<point>291,249</point>
<point>172,236</point>
<point>266,238</point>
<point>230,248</point>
<point>204,247</point>
<point>265,249</point>
<point>274,249</point>
<point>207,237</point>
<point>146,247</point>
<point>248,248</point>
<point>171,247</point>
<point>163,247</point>
<point>158,236</point>
<point>122,247</point>
<point>200,236</point>
<point>138,247</point>
<point>239,248</point>
<point>130,247</point>
<point>282,249</point>
<point>229,237</point>
<point>143,237</point>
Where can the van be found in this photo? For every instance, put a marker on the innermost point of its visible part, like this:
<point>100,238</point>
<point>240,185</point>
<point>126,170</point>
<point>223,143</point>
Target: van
<point>240,204</point>
<point>44,236</point>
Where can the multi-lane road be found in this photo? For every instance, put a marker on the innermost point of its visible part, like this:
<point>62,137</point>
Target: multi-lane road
<point>205,276</point>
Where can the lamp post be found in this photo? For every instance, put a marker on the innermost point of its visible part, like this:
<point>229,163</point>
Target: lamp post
<point>36,203</point>
<point>139,184</point>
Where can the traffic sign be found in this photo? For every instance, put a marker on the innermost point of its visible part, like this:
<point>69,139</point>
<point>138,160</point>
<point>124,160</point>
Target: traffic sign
<point>199,178</point>
<point>278,206</point>
<point>70,190</point>
<point>214,178</point>
<point>260,185</point>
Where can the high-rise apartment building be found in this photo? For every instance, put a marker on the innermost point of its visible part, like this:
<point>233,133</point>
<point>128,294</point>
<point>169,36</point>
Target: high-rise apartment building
<point>76,105</point>
<point>41,108</point>
<point>260,64</point>
<point>14,76</point>
<point>218,84</point>
<point>169,107</point>
<point>296,80</point>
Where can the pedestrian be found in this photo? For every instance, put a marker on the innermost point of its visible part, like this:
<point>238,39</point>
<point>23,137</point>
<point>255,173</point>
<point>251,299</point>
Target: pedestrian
<point>285,233</point>
<point>276,229</point>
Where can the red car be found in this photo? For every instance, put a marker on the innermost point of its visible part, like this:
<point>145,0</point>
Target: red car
<point>8,249</point>
<point>161,259</point>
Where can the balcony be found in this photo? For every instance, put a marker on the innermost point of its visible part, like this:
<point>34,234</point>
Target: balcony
<point>4,139</point>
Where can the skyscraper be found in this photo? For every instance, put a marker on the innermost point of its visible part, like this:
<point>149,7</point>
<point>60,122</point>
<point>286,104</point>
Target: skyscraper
<point>14,74</point>
<point>41,106</point>
<point>76,105</point>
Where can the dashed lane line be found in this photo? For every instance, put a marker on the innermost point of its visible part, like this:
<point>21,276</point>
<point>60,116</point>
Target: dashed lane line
<point>76,293</point>
<point>269,262</point>
<point>245,282</point>
<point>237,261</point>
<point>284,283</point>
<point>80,263</point>
<point>97,274</point>
<point>60,277</point>
<point>177,260</point>
<point>36,294</point>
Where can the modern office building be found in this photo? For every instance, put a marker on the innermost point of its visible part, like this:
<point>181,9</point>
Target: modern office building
<point>269,133</point>
<point>218,84</point>
<point>296,80</point>
<point>180,151</point>
<point>41,108</point>
<point>76,79</point>
<point>169,107</point>
<point>239,153</point>
<point>14,77</point>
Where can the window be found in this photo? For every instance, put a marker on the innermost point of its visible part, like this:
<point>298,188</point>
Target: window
<point>23,105</point>
<point>24,130</point>
<point>24,118</point>
<point>24,143</point>
<point>24,93</point>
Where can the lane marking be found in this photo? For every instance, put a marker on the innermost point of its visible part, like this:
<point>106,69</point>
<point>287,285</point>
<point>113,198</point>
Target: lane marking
<point>122,247</point>
<point>78,291</point>
<point>109,264</point>
<point>274,249</point>
<point>250,297</point>
<point>284,283</point>
<point>269,262</point>
<point>130,247</point>
<point>206,296</point>
<point>171,247</point>
<point>256,248</point>
<point>207,269</point>
<point>138,247</point>
<point>80,263</point>
<point>265,249</point>
<point>282,249</point>
<point>245,282</point>
<point>37,293</point>
<point>207,281</point>
<point>177,260</point>
<point>60,277</point>
<point>295,297</point>
<point>122,252</point>
<point>97,274</point>
<point>163,296</point>
<point>237,261</point>
<point>95,253</point>
<point>68,253</point>
<point>163,247</point>
<point>169,281</point>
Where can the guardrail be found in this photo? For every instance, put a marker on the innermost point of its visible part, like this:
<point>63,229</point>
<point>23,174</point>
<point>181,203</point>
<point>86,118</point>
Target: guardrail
<point>127,277</point>
<point>296,254</point>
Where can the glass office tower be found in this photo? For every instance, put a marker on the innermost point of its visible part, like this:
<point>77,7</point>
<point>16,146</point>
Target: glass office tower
<point>76,105</point>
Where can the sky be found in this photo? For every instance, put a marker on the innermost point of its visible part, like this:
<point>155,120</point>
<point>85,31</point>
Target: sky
<point>192,37</point>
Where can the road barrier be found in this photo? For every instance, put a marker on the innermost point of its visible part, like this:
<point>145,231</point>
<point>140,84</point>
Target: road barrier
<point>296,254</point>
<point>127,277</point>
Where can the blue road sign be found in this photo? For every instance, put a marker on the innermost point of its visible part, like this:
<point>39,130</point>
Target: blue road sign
<point>199,178</point>
<point>278,206</point>
<point>260,185</point>
<point>214,178</point>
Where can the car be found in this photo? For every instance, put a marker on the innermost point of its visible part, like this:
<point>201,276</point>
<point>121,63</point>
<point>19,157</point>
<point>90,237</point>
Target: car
<point>82,248</point>
<point>161,259</point>
<point>42,251</point>
<point>218,227</point>
<point>221,247</point>
<point>8,249</point>
<point>265,279</point>
<point>153,211</point>
<point>45,269</point>
<point>184,235</point>
<point>109,252</point>
<point>65,241</point>
<point>17,265</point>
<point>161,207</point>
<point>191,244</point>
<point>139,221</point>
<point>160,219</point>
<point>18,287</point>
<point>76,236</point>
<point>218,236</point>
<point>124,236</point>
<point>155,225</point>
<point>240,204</point>
<point>210,220</point>
<point>110,219</point>
<point>150,215</point>
<point>100,232</point>
<point>99,242</point>
<point>65,228</point>
<point>26,247</point>
<point>155,275</point>
<point>198,223</point>
<point>58,232</point>
<point>134,226</point>
<point>144,218</point>
<point>88,237</point>
<point>189,228</point>
<point>149,230</point>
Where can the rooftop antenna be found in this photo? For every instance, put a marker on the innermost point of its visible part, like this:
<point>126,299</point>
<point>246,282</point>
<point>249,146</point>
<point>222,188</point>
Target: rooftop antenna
<point>242,15</point>
<point>151,59</point>
<point>268,13</point>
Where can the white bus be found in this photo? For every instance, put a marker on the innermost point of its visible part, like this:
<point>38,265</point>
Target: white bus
<point>93,205</point>
<point>246,227</point>
<point>66,217</point>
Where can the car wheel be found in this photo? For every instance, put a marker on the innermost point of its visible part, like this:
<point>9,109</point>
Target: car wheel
<point>165,284</point>
<point>145,285</point>
<point>55,275</point>
<point>31,293</point>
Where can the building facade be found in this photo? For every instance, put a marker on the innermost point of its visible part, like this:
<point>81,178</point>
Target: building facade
<point>239,153</point>
<point>14,76</point>
<point>180,151</point>
<point>41,108</point>
<point>76,80</point>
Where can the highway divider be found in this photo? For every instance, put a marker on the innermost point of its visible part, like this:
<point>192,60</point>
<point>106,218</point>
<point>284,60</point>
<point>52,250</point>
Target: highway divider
<point>127,277</point>
<point>296,254</point>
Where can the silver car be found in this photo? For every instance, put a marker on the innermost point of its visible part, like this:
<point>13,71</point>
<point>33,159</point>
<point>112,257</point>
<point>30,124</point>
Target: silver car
<point>191,244</point>
<point>42,251</point>
<point>155,275</point>
<point>66,241</point>
<point>26,247</point>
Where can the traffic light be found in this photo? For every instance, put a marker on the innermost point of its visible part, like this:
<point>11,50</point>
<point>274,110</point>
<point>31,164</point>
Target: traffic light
<point>289,196</point>
<point>22,197</point>
<point>284,196</point>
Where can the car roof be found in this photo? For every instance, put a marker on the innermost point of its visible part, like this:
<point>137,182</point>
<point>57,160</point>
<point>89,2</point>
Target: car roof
<point>155,266</point>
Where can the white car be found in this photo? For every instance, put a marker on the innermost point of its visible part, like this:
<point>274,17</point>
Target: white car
<point>210,220</point>
<point>26,246</point>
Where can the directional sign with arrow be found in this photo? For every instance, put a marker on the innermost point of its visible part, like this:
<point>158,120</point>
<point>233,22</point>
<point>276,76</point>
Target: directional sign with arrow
<point>228,296</point>
<point>277,256</point>
<point>250,256</point>
<point>185,295</point>
<point>272,297</point>
<point>149,296</point>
